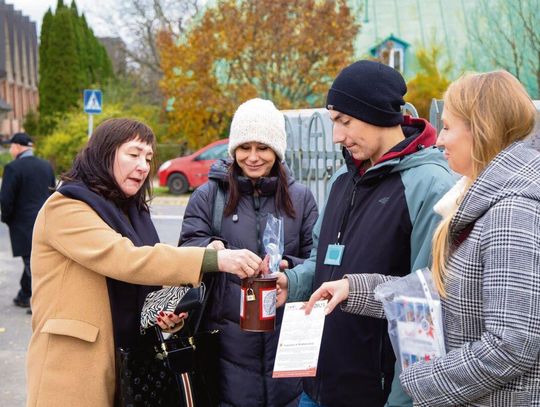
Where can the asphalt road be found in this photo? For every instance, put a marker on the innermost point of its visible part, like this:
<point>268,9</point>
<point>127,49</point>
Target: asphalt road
<point>15,328</point>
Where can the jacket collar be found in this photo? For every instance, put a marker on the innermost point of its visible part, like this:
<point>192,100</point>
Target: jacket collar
<point>449,203</point>
<point>25,153</point>
<point>265,186</point>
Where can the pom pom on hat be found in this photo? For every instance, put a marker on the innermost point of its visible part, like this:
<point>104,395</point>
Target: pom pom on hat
<point>260,121</point>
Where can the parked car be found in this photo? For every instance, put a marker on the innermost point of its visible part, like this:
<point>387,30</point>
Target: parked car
<point>188,172</point>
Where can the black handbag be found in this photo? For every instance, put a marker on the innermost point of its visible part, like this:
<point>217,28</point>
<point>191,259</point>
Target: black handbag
<point>194,359</point>
<point>144,379</point>
<point>194,355</point>
<point>181,370</point>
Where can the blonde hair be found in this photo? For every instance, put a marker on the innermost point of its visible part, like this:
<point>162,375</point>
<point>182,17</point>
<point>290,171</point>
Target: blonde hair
<point>498,111</point>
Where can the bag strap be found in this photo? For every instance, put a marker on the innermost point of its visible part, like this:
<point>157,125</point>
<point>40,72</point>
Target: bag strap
<point>207,292</point>
<point>217,212</point>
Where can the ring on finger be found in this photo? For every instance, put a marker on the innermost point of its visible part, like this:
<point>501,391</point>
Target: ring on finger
<point>172,326</point>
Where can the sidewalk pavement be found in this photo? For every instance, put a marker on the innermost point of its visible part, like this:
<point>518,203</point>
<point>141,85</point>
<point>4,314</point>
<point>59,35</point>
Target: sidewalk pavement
<point>176,200</point>
<point>15,329</point>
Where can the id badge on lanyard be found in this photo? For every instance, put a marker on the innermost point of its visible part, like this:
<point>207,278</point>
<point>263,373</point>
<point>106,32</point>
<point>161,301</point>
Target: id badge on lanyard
<point>334,254</point>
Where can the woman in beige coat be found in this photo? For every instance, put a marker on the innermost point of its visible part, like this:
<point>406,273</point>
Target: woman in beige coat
<point>95,257</point>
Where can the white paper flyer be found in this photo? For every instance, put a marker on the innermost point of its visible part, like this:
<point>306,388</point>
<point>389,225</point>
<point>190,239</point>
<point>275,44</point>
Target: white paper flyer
<point>299,340</point>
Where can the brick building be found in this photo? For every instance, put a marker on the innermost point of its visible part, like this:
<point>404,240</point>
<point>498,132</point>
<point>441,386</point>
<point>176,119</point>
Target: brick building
<point>18,68</point>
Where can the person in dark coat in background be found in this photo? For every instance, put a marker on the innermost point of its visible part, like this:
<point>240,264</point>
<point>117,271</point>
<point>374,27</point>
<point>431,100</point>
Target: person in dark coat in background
<point>256,183</point>
<point>26,185</point>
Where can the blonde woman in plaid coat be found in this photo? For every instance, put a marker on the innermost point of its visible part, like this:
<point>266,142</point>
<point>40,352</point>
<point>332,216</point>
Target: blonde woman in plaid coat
<point>486,255</point>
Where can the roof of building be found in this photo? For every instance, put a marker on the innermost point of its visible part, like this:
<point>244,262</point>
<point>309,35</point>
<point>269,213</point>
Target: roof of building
<point>391,38</point>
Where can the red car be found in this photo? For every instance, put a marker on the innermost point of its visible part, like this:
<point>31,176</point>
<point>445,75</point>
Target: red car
<point>184,173</point>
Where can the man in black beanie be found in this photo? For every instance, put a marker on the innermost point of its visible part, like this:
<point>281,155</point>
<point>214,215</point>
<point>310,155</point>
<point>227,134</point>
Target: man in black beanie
<point>378,222</point>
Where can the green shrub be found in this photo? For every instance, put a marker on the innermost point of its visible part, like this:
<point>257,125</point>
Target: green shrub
<point>60,148</point>
<point>5,157</point>
<point>71,134</point>
<point>168,151</point>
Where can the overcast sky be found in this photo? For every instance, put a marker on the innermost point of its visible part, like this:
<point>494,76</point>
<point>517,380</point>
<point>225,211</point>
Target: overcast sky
<point>35,9</point>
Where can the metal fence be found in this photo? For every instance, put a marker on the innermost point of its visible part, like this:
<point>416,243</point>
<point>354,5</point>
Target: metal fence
<point>311,154</point>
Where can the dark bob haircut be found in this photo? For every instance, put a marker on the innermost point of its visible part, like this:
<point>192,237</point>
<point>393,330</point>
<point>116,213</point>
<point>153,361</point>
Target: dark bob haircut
<point>95,162</point>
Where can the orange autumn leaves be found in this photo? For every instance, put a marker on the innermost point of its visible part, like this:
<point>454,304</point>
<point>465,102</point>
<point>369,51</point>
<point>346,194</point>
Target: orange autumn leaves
<point>285,51</point>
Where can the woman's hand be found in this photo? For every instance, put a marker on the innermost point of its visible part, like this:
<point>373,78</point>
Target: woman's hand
<point>216,245</point>
<point>170,322</point>
<point>333,291</point>
<point>243,263</point>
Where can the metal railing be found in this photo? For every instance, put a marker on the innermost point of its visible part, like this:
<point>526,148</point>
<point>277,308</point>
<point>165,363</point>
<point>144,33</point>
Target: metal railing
<point>311,154</point>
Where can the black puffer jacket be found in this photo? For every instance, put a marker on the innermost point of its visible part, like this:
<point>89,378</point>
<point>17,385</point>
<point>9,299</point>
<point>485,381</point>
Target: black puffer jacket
<point>247,358</point>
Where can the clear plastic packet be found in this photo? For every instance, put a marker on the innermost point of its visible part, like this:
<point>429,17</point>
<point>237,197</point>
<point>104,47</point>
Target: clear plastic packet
<point>413,309</point>
<point>273,245</point>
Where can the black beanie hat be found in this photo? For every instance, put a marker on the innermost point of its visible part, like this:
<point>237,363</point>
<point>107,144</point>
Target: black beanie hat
<point>369,91</point>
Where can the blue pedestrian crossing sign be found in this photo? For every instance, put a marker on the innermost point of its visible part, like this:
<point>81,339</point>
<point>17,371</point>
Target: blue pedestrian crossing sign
<point>92,101</point>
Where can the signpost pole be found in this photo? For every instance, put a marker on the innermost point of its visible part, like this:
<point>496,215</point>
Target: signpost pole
<point>90,124</point>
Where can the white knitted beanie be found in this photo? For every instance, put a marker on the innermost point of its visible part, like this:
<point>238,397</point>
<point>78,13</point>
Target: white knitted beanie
<point>258,120</point>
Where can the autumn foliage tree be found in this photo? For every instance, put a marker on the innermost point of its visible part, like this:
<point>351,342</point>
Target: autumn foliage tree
<point>430,81</point>
<point>287,51</point>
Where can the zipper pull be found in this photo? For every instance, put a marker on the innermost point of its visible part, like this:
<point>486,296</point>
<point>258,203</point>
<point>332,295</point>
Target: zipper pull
<point>256,202</point>
<point>353,196</point>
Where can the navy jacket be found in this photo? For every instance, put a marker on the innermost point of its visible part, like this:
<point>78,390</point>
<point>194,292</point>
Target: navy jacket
<point>26,184</point>
<point>247,358</point>
<point>388,231</point>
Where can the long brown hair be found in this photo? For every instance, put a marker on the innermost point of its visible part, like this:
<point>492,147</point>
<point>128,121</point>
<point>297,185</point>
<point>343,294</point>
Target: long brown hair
<point>498,112</point>
<point>282,198</point>
<point>95,162</point>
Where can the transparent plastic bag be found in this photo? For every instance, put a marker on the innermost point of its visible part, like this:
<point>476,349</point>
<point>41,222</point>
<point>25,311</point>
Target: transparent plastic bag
<point>273,244</point>
<point>413,310</point>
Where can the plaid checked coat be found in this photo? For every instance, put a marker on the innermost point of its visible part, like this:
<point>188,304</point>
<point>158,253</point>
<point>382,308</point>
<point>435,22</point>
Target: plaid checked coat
<point>492,311</point>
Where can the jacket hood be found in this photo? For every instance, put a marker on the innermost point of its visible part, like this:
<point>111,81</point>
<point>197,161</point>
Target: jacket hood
<point>515,171</point>
<point>220,169</point>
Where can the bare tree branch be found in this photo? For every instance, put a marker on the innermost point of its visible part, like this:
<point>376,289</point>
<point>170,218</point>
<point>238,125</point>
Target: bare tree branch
<point>138,23</point>
<point>507,33</point>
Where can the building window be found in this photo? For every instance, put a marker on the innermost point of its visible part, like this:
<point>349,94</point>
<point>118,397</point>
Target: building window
<point>395,59</point>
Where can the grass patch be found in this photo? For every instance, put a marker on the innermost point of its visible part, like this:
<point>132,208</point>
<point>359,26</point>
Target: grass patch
<point>162,191</point>
<point>5,158</point>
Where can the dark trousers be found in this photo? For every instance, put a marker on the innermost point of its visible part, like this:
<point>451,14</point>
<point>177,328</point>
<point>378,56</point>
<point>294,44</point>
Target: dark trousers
<point>26,280</point>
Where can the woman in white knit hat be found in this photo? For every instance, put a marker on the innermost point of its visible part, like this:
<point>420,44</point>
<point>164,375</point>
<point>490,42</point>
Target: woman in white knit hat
<point>256,183</point>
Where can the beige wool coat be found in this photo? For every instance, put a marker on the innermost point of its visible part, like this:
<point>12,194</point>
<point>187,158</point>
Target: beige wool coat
<point>70,360</point>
